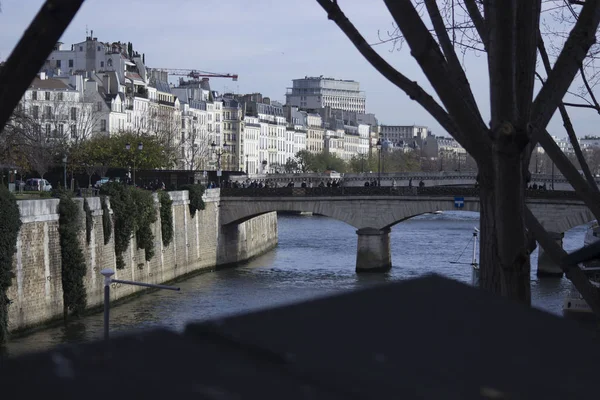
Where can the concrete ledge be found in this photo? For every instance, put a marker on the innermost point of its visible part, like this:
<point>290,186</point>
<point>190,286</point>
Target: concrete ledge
<point>38,210</point>
<point>179,197</point>
<point>212,195</point>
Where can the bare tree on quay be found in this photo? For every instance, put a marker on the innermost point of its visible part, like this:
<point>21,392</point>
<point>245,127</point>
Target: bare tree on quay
<point>197,151</point>
<point>509,33</point>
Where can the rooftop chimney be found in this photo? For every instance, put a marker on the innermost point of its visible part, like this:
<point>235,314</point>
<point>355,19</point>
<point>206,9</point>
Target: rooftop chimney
<point>107,83</point>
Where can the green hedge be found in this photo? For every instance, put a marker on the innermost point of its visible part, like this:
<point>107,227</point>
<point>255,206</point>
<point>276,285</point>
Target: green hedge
<point>196,201</point>
<point>73,262</point>
<point>106,220</point>
<point>10,224</point>
<point>133,213</point>
<point>145,216</point>
<point>166,217</point>
<point>89,221</point>
<point>123,217</point>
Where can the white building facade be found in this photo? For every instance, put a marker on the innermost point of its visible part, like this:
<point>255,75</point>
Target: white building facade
<point>317,92</point>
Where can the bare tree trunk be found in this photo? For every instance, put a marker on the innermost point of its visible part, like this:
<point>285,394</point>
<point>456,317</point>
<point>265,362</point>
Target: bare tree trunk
<point>489,264</point>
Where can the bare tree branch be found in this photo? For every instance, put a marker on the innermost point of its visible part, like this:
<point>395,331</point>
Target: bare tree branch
<point>427,53</point>
<point>567,121</point>
<point>412,89</point>
<point>501,62</point>
<point>579,105</point>
<point>448,49</point>
<point>478,21</point>
<point>573,272</point>
<point>580,40</point>
<point>588,88</point>
<point>591,199</point>
<point>528,15</point>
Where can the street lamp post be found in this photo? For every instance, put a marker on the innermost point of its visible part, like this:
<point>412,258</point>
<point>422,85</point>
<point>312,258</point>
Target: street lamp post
<point>247,166</point>
<point>140,147</point>
<point>218,152</point>
<point>64,160</point>
<point>379,146</point>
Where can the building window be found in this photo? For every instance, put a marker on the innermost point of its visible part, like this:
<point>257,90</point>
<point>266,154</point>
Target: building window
<point>57,63</point>
<point>73,114</point>
<point>109,62</point>
<point>48,112</point>
<point>103,125</point>
<point>47,95</point>
<point>48,129</point>
<point>36,112</point>
<point>61,129</point>
<point>99,106</point>
<point>73,131</point>
<point>34,95</point>
<point>101,64</point>
<point>98,48</point>
<point>80,48</point>
<point>70,63</point>
<point>60,96</point>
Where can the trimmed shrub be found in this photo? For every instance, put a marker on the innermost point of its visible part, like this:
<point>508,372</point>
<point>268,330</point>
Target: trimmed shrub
<point>145,216</point>
<point>73,262</point>
<point>10,224</point>
<point>166,217</point>
<point>106,220</point>
<point>196,201</point>
<point>89,221</point>
<point>124,217</point>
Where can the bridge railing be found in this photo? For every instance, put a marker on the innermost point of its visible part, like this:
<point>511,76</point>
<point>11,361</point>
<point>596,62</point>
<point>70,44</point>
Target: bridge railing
<point>381,191</point>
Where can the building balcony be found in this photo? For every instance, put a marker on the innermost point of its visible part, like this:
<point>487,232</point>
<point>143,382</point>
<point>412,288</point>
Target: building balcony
<point>166,103</point>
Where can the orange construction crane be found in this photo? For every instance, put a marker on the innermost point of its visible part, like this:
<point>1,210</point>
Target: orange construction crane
<point>196,74</point>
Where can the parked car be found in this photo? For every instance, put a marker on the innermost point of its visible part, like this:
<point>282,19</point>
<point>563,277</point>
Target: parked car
<point>101,182</point>
<point>104,180</point>
<point>37,184</point>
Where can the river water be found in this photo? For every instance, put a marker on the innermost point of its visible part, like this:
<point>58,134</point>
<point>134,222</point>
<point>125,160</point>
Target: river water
<point>316,256</point>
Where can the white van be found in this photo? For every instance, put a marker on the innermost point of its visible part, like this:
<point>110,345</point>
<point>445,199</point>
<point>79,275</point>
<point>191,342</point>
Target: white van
<point>37,184</point>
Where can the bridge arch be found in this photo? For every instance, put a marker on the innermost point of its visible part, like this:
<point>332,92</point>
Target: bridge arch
<point>580,216</point>
<point>239,212</point>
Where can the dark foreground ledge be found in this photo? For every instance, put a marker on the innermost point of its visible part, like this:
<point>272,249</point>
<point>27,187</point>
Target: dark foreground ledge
<point>428,338</point>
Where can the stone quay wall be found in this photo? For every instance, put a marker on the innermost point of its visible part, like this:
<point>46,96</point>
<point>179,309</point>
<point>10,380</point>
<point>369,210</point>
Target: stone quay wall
<point>199,244</point>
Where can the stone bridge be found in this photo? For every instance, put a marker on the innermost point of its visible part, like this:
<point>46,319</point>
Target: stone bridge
<point>374,210</point>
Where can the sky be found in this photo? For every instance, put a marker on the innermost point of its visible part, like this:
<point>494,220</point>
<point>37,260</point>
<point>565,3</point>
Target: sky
<point>267,43</point>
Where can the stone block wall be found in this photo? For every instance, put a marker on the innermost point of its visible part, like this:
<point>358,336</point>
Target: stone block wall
<point>248,239</point>
<point>36,290</point>
<point>199,243</point>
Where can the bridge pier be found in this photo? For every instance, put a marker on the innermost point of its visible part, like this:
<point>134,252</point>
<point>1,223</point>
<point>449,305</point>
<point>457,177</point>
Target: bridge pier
<point>373,252</point>
<point>547,267</point>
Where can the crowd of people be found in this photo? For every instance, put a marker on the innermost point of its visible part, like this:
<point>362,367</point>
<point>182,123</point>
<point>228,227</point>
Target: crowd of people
<point>269,183</point>
<point>322,183</point>
<point>535,186</point>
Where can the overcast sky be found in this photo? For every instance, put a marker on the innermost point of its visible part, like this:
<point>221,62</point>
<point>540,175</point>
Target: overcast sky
<point>267,43</point>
